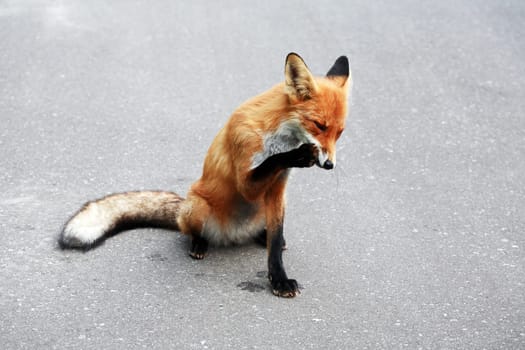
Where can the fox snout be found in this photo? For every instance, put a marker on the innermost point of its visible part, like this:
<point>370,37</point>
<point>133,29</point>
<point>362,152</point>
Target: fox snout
<point>328,165</point>
<point>324,160</point>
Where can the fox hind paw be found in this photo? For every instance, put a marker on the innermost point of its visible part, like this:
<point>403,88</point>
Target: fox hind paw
<point>199,248</point>
<point>197,256</point>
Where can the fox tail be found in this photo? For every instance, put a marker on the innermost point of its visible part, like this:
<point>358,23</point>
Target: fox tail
<point>104,217</point>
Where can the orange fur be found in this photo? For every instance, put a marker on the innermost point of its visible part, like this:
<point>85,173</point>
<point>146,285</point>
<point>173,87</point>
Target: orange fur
<point>241,193</point>
<point>227,167</point>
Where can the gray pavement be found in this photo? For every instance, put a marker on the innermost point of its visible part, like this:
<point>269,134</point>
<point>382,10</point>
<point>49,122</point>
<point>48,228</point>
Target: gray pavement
<point>415,241</point>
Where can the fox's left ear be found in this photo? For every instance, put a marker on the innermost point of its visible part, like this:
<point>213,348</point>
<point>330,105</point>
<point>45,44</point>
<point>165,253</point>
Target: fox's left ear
<point>340,72</point>
<point>299,82</point>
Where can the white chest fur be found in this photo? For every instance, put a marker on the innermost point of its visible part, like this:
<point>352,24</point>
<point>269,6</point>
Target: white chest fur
<point>245,221</point>
<point>236,232</point>
<point>290,135</point>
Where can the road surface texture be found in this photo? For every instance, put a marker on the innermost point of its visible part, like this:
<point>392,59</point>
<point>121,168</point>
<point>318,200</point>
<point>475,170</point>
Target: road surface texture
<point>416,240</point>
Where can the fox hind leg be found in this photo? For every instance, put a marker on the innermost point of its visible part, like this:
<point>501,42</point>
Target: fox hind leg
<point>192,216</point>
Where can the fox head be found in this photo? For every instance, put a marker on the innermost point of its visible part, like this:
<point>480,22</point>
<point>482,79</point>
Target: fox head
<point>319,103</point>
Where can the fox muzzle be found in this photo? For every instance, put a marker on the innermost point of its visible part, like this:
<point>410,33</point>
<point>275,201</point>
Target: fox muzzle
<point>323,159</point>
<point>328,165</point>
<point>325,163</point>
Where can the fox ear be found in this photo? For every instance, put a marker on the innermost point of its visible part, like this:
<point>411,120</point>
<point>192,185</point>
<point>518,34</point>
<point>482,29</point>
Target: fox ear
<point>299,82</point>
<point>340,71</point>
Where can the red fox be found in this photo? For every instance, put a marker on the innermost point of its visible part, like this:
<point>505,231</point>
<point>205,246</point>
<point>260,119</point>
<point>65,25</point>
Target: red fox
<point>240,195</point>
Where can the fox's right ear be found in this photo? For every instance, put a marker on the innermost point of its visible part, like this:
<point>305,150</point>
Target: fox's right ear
<point>340,72</point>
<point>300,83</point>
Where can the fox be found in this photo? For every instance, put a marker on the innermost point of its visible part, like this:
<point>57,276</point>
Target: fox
<point>240,195</point>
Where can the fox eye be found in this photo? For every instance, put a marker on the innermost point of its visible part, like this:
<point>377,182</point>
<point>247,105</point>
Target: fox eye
<point>320,126</point>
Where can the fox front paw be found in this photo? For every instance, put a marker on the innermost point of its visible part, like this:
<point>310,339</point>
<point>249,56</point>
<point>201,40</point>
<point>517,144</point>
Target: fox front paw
<point>287,288</point>
<point>305,156</point>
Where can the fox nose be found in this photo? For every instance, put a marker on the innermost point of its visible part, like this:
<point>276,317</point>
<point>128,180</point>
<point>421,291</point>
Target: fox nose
<point>328,164</point>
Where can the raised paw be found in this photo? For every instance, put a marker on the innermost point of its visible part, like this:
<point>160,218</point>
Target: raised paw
<point>287,288</point>
<point>305,156</point>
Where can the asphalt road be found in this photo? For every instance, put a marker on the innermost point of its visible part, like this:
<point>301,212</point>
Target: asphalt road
<point>416,240</point>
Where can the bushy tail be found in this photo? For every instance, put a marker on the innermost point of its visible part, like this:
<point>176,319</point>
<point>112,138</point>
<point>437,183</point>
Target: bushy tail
<point>104,217</point>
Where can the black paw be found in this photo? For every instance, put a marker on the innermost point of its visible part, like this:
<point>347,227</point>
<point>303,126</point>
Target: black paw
<point>287,288</point>
<point>305,156</point>
<point>199,248</point>
<point>197,255</point>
